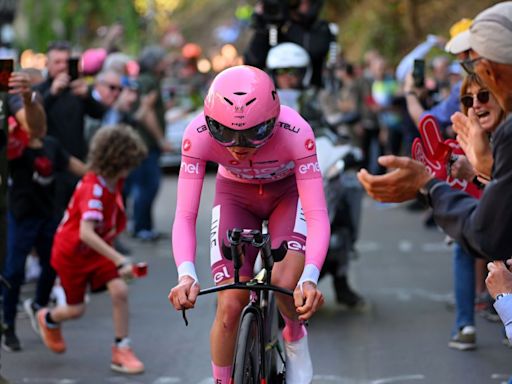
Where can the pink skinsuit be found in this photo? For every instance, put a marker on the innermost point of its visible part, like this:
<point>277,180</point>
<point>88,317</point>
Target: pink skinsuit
<point>290,151</point>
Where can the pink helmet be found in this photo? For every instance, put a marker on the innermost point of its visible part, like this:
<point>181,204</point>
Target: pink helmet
<point>241,107</point>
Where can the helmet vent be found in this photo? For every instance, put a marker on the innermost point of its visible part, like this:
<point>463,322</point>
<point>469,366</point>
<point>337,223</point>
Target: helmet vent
<point>250,101</point>
<point>229,101</point>
<point>240,93</point>
<point>274,95</point>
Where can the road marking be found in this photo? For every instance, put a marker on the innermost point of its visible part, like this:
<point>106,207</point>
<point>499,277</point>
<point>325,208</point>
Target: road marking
<point>407,294</point>
<point>436,247</point>
<point>40,380</point>
<point>398,379</point>
<point>405,246</point>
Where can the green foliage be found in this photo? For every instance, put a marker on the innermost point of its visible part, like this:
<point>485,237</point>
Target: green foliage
<point>78,21</point>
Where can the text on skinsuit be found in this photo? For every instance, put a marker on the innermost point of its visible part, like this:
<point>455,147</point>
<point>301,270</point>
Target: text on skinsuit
<point>190,168</point>
<point>215,252</point>
<point>305,168</point>
<point>296,246</point>
<point>223,274</point>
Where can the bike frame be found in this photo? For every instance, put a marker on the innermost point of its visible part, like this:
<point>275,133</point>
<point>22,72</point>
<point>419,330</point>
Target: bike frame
<point>260,287</point>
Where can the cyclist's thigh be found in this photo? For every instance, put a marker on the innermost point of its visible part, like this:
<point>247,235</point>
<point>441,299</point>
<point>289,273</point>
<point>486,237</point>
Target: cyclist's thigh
<point>287,222</point>
<point>229,212</point>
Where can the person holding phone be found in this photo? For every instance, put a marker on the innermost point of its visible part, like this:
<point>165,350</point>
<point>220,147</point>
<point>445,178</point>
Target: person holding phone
<point>66,102</point>
<point>22,104</point>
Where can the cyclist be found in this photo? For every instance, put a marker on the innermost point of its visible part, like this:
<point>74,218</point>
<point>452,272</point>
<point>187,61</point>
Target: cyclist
<point>267,160</point>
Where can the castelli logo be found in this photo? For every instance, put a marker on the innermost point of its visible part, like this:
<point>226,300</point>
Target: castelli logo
<point>310,144</point>
<point>187,145</point>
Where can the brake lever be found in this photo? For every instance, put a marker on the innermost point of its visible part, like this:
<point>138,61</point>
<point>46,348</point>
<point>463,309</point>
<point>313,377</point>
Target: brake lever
<point>184,315</point>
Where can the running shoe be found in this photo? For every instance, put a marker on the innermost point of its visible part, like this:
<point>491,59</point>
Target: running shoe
<point>125,361</point>
<point>464,339</point>
<point>51,335</point>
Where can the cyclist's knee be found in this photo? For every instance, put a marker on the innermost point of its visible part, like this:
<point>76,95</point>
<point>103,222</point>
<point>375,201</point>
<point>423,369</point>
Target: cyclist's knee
<point>228,311</point>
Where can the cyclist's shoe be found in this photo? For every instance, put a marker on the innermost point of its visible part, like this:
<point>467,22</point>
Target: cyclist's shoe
<point>10,341</point>
<point>125,361</point>
<point>299,369</point>
<point>31,310</point>
<point>464,339</point>
<point>51,335</point>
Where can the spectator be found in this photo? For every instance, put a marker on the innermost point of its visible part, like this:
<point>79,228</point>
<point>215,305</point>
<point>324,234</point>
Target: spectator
<point>82,252</point>
<point>32,222</point>
<point>302,27</point>
<point>474,95</point>
<point>480,226</point>
<point>144,182</point>
<point>106,90</point>
<point>499,284</point>
<point>29,114</point>
<point>445,108</point>
<point>66,102</point>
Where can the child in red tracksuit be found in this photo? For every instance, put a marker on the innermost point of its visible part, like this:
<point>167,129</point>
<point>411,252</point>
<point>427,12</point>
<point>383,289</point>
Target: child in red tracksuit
<point>82,252</point>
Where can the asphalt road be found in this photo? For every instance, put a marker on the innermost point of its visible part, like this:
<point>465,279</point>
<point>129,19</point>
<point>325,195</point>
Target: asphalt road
<point>404,272</point>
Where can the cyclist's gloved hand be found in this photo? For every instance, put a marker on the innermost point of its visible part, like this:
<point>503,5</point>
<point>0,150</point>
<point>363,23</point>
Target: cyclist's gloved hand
<point>184,295</point>
<point>308,299</point>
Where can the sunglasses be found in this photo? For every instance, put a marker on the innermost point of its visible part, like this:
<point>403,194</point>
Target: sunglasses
<point>289,71</point>
<point>482,96</point>
<point>253,137</point>
<point>469,64</point>
<point>113,87</point>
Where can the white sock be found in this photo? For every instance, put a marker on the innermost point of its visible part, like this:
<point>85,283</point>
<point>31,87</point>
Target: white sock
<point>299,369</point>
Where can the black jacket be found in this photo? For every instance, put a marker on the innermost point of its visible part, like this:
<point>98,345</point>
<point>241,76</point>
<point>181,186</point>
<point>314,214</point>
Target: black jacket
<point>65,117</point>
<point>483,227</point>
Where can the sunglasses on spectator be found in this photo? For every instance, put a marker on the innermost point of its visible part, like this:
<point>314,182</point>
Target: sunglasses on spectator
<point>469,64</point>
<point>113,87</point>
<point>482,97</point>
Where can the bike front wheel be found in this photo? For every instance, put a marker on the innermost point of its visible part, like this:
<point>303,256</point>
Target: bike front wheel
<point>246,367</point>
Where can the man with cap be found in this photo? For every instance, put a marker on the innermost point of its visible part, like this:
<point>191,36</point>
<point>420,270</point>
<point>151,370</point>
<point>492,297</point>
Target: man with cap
<point>482,226</point>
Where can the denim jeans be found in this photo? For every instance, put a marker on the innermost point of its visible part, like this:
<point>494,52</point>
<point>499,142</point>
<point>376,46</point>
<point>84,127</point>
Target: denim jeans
<point>142,187</point>
<point>22,235</point>
<point>464,287</point>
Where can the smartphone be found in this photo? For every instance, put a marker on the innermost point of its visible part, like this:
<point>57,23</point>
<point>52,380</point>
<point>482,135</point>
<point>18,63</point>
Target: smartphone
<point>73,69</point>
<point>418,73</point>
<point>6,68</point>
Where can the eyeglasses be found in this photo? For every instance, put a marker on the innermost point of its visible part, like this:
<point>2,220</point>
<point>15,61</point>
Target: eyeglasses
<point>253,137</point>
<point>482,96</point>
<point>469,64</point>
<point>113,87</point>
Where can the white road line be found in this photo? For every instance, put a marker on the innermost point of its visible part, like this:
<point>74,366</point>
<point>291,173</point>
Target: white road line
<point>398,379</point>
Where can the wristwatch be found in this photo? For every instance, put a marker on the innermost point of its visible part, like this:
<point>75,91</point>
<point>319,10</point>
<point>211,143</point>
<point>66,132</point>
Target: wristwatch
<point>424,192</point>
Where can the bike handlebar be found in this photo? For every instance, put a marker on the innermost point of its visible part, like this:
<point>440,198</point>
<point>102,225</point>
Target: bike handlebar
<point>248,286</point>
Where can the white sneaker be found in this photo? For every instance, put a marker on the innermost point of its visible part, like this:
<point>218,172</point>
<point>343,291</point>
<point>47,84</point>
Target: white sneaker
<point>27,305</point>
<point>299,369</point>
